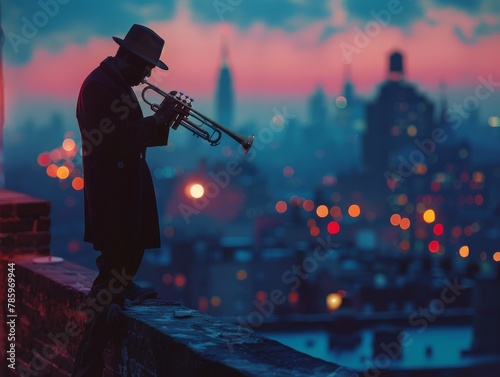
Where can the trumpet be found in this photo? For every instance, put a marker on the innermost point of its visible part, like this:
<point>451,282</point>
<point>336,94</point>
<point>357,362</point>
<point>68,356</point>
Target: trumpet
<point>195,121</point>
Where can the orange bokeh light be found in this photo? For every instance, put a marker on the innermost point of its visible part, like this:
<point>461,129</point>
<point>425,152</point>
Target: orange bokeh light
<point>77,183</point>
<point>395,219</point>
<point>322,211</point>
<point>354,210</point>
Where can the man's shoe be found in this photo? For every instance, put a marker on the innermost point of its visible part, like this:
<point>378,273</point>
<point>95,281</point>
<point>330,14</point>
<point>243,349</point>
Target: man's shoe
<point>137,294</point>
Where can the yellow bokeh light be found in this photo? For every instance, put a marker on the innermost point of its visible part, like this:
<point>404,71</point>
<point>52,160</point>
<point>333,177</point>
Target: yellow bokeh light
<point>333,301</point>
<point>62,172</point>
<point>322,211</point>
<point>429,216</point>
<point>464,251</point>
<point>196,191</point>
<point>354,210</point>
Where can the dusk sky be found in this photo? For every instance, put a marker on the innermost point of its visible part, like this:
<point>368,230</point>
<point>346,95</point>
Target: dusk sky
<point>279,50</point>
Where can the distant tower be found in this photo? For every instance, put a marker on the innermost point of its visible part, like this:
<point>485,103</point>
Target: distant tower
<point>396,69</point>
<point>2,116</point>
<point>225,94</point>
<point>398,118</point>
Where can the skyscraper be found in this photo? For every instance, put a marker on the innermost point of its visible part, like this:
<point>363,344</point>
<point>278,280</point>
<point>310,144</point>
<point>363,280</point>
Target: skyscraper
<point>224,101</point>
<point>396,120</point>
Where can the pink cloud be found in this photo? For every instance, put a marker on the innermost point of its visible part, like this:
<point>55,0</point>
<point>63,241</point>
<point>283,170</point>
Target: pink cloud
<point>271,62</point>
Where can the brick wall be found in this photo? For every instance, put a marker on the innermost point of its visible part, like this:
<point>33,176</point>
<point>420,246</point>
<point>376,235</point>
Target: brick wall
<point>24,224</point>
<point>160,339</point>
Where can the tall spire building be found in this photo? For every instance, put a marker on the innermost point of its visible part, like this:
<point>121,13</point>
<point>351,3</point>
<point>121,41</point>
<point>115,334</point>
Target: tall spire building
<point>224,105</point>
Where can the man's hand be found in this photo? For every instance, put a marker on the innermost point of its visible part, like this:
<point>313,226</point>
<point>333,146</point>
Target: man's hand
<point>173,108</point>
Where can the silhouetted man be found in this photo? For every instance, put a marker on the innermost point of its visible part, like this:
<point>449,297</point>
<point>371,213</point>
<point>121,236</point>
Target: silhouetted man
<point>121,218</point>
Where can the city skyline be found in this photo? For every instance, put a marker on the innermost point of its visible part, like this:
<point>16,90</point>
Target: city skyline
<point>279,53</point>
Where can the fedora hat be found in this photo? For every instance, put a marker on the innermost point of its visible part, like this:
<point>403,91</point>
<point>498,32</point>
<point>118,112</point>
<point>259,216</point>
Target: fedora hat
<point>144,43</point>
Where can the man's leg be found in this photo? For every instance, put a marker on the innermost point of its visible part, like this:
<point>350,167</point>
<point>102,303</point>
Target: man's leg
<point>111,264</point>
<point>107,298</point>
<point>133,292</point>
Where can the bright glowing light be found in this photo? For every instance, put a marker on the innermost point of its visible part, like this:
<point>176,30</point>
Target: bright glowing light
<point>333,227</point>
<point>281,207</point>
<point>52,170</point>
<point>62,172</point>
<point>68,145</point>
<point>77,183</point>
<point>322,211</point>
<point>241,275</point>
<point>395,219</point>
<point>354,210</point>
<point>496,256</point>
<point>433,246</point>
<point>333,301</point>
<point>429,216</point>
<point>464,251</point>
<point>196,191</point>
<point>438,229</point>
<point>405,223</point>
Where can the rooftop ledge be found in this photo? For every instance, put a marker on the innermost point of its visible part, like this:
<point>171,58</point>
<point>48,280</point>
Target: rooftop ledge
<point>160,339</point>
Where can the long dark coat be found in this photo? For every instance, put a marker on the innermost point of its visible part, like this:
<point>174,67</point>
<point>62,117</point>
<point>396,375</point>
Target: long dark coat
<point>120,203</point>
